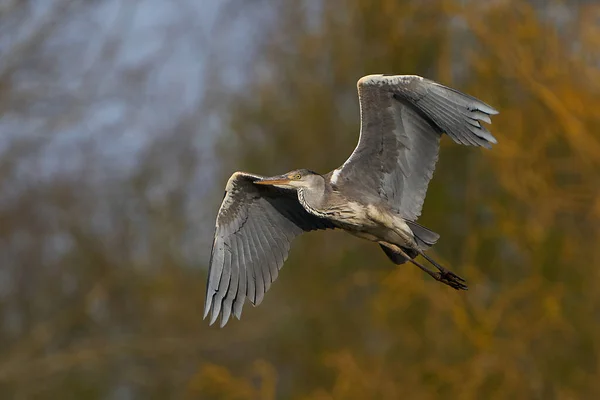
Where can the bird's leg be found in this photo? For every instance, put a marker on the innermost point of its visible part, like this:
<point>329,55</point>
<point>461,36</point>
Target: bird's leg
<point>445,273</point>
<point>444,276</point>
<point>418,264</point>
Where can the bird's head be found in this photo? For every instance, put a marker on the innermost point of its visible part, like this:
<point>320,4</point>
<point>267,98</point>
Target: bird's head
<point>297,179</point>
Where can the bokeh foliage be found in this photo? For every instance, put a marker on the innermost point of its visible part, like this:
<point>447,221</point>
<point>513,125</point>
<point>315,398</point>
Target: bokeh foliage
<point>520,222</point>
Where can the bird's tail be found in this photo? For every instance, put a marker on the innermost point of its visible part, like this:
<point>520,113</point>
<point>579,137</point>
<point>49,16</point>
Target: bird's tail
<point>424,237</point>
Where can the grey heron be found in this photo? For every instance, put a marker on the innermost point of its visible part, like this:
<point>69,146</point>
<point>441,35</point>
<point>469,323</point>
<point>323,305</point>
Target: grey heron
<point>377,194</point>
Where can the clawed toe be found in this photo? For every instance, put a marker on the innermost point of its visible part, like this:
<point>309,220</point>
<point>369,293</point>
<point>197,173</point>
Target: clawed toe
<point>452,280</point>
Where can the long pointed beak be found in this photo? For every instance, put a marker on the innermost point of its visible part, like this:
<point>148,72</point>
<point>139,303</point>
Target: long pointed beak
<point>275,180</point>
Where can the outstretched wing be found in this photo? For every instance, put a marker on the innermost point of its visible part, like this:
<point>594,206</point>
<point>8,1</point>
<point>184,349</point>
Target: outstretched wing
<point>255,227</point>
<point>402,120</point>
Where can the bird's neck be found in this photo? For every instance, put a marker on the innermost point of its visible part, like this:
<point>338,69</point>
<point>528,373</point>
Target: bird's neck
<point>313,199</point>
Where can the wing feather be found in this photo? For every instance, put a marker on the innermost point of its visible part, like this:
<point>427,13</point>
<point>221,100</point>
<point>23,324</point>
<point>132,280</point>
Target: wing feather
<point>253,233</point>
<point>266,257</point>
<point>250,276</point>
<point>240,296</point>
<point>233,282</point>
<point>222,287</point>
<point>402,120</point>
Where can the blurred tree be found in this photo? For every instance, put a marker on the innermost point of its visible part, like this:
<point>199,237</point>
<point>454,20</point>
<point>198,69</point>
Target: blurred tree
<point>107,200</point>
<point>514,219</point>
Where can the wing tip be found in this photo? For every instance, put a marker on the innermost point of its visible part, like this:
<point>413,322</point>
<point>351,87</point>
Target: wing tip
<point>216,310</point>
<point>483,136</point>
<point>226,313</point>
<point>215,315</point>
<point>238,313</point>
<point>487,109</point>
<point>208,304</point>
<point>258,299</point>
<point>225,317</point>
<point>491,110</point>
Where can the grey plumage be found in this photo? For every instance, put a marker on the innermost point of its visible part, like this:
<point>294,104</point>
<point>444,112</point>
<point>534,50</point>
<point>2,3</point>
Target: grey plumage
<point>402,119</point>
<point>255,227</point>
<point>377,194</point>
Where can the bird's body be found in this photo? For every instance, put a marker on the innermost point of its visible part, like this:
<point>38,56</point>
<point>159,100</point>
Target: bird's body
<point>377,194</point>
<point>369,218</point>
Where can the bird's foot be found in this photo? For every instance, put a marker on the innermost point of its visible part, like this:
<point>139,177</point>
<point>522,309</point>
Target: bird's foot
<point>446,276</point>
<point>451,279</point>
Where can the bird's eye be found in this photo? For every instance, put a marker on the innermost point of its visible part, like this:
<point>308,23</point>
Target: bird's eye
<point>297,176</point>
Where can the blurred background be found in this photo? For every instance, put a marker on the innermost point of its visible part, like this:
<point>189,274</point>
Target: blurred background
<point>120,122</point>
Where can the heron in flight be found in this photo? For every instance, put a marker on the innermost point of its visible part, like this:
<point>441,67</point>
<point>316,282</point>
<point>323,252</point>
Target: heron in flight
<point>377,194</point>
